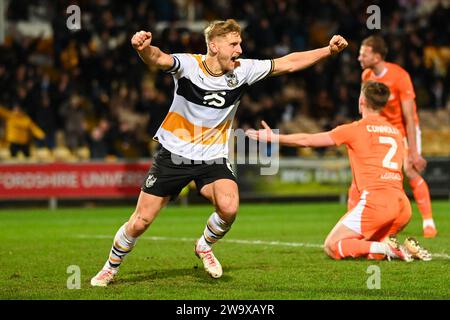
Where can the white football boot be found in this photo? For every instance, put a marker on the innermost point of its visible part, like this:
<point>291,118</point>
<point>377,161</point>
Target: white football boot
<point>103,278</point>
<point>210,262</point>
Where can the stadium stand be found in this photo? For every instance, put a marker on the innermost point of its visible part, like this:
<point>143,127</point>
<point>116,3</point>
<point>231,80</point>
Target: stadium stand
<point>94,99</point>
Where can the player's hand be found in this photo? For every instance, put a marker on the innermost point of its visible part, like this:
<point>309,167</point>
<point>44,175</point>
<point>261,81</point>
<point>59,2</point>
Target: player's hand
<point>337,44</point>
<point>265,134</point>
<point>417,162</point>
<point>141,40</point>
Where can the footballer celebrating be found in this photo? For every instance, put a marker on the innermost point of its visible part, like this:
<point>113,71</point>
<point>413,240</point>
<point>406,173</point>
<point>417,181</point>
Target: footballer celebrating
<point>195,133</point>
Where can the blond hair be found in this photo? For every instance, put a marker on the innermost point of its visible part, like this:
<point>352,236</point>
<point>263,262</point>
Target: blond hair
<point>220,28</point>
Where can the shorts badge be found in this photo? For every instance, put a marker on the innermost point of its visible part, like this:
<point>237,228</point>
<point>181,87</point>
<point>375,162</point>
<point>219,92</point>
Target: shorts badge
<point>150,181</point>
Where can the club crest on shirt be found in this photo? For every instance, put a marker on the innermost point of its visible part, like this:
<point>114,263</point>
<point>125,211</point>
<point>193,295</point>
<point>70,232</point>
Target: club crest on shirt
<point>232,80</point>
<point>150,181</point>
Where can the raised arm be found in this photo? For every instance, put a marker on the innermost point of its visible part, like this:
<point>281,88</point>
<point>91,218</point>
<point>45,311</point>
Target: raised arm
<point>151,55</point>
<point>322,139</point>
<point>300,60</point>
<point>36,131</point>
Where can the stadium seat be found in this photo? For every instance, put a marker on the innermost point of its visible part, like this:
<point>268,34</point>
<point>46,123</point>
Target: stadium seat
<point>83,153</point>
<point>63,154</point>
<point>43,155</point>
<point>5,155</point>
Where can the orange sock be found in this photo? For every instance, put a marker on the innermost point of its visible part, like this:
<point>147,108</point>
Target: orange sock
<point>352,248</point>
<point>422,195</point>
<point>376,256</point>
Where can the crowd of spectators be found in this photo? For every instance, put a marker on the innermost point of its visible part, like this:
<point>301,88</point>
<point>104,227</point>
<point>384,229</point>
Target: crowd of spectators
<point>92,86</point>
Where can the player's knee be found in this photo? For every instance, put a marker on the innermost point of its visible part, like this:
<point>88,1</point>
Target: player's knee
<point>140,221</point>
<point>228,208</point>
<point>329,248</point>
<point>137,225</point>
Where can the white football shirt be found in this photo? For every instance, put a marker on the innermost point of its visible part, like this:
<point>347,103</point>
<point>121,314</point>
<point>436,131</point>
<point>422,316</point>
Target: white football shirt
<point>199,121</point>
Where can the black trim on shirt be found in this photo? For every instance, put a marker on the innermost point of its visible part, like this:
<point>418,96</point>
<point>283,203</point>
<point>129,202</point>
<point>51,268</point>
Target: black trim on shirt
<point>175,67</point>
<point>210,72</point>
<point>216,99</point>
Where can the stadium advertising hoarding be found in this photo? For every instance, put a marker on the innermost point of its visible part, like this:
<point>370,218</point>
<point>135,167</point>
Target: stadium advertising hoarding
<point>71,180</point>
<point>297,177</point>
<point>325,177</point>
<point>294,178</point>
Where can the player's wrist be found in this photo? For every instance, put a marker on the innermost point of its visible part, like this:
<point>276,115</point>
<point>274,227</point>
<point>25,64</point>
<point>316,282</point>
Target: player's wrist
<point>330,50</point>
<point>413,153</point>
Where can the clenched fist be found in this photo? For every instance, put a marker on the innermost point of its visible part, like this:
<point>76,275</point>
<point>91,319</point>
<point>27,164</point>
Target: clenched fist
<point>141,40</point>
<point>337,44</point>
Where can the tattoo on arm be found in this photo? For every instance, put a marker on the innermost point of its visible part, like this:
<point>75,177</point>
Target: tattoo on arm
<point>139,217</point>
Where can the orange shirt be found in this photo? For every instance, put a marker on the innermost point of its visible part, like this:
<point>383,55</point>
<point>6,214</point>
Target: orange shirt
<point>375,149</point>
<point>399,82</point>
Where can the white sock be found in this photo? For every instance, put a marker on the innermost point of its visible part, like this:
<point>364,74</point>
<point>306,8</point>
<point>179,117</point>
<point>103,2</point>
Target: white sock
<point>202,245</point>
<point>122,245</point>
<point>428,223</point>
<point>378,248</point>
<point>215,229</point>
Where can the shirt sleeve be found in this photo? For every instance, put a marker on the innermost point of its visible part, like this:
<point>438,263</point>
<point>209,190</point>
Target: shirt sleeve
<point>365,75</point>
<point>257,70</point>
<point>405,87</point>
<point>344,134</point>
<point>181,62</point>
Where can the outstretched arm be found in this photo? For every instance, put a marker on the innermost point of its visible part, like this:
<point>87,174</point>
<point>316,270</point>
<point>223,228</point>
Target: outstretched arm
<point>151,55</point>
<point>300,60</point>
<point>322,139</point>
<point>37,131</point>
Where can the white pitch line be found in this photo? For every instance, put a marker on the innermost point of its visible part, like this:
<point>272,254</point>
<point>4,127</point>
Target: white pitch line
<point>255,242</point>
<point>250,242</point>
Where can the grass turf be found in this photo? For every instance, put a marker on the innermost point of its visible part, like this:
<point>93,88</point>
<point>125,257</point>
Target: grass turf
<point>39,245</point>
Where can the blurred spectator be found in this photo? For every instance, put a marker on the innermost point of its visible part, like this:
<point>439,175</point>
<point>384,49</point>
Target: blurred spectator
<point>323,107</point>
<point>101,140</point>
<point>75,129</point>
<point>46,119</point>
<point>439,94</point>
<point>48,76</point>
<point>20,130</point>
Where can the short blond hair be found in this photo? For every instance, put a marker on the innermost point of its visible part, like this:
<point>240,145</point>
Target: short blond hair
<point>221,28</point>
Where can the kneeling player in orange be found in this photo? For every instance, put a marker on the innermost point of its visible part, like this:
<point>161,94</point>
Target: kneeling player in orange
<point>375,150</point>
<point>400,111</point>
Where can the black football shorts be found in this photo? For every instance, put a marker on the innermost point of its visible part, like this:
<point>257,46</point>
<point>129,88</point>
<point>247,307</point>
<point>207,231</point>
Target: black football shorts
<point>170,173</point>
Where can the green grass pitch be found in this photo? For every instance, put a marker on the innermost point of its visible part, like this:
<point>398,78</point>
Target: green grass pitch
<point>272,252</point>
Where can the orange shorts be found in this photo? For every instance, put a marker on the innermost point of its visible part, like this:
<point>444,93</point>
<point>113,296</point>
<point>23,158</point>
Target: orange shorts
<point>379,213</point>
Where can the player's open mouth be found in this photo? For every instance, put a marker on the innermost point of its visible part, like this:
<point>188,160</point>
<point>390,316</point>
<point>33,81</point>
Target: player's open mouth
<point>234,58</point>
